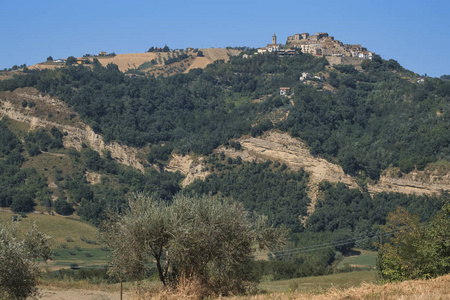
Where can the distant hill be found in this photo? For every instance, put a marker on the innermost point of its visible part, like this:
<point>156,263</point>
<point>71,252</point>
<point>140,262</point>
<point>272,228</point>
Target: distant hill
<point>133,61</point>
<point>291,137</point>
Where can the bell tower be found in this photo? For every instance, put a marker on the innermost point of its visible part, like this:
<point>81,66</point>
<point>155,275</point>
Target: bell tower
<point>274,39</point>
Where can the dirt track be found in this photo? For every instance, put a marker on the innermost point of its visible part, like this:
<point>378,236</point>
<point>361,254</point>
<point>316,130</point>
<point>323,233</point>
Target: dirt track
<point>79,294</point>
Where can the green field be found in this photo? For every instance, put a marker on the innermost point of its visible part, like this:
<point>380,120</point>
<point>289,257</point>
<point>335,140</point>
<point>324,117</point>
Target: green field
<point>319,283</point>
<point>361,259</point>
<point>67,233</point>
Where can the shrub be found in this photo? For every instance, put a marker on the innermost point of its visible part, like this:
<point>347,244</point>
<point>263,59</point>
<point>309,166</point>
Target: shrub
<point>63,208</point>
<point>18,253</point>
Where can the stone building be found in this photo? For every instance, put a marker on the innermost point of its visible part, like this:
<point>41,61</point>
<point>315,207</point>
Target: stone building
<point>274,47</point>
<point>322,44</point>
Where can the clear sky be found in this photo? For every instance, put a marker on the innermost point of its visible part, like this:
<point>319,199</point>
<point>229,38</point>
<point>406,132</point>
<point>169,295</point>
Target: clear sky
<point>415,33</point>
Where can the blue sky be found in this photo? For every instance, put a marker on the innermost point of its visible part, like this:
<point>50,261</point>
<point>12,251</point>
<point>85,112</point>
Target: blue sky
<point>415,33</point>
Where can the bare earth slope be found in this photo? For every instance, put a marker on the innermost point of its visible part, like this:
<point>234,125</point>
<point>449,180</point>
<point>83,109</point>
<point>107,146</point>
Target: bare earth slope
<point>211,55</point>
<point>77,131</point>
<point>294,153</point>
<point>134,60</point>
<point>281,147</point>
<point>129,61</point>
<point>192,169</point>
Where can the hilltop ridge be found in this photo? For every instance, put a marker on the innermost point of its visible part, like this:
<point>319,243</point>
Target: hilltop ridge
<point>137,61</point>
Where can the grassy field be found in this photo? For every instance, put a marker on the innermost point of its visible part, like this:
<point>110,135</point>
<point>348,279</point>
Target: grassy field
<point>412,290</point>
<point>319,283</point>
<point>83,257</point>
<point>359,259</point>
<point>71,236</point>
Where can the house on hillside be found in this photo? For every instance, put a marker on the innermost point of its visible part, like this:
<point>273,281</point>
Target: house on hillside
<point>285,91</point>
<point>304,76</point>
<point>81,61</point>
<point>102,53</point>
<point>288,52</point>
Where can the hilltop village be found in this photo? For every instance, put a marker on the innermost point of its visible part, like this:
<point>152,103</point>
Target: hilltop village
<point>319,44</point>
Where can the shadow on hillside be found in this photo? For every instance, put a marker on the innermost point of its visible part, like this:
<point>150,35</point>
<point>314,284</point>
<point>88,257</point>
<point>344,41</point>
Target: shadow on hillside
<point>353,253</point>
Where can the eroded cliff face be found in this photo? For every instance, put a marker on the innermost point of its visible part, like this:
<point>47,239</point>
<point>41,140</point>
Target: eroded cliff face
<point>433,180</point>
<point>186,165</point>
<point>281,147</point>
<point>49,111</point>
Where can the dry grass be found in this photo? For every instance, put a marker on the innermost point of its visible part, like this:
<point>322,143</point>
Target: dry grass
<point>186,289</point>
<point>438,288</point>
<point>128,61</point>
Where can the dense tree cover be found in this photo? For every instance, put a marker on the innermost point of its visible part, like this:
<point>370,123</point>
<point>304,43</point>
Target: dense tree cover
<point>357,212</point>
<point>8,141</point>
<point>19,186</point>
<point>263,188</point>
<point>62,207</point>
<point>22,186</point>
<point>92,201</point>
<point>415,250</point>
<point>40,140</point>
<point>372,120</point>
<point>375,119</point>
<point>304,258</point>
<point>206,238</point>
<point>196,111</point>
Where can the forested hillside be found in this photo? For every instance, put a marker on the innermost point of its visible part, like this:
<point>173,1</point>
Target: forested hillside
<point>374,119</point>
<point>366,120</point>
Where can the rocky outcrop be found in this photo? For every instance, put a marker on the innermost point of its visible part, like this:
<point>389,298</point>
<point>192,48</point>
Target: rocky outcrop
<point>295,154</point>
<point>49,112</point>
<point>93,177</point>
<point>192,169</point>
<point>433,180</point>
<point>281,147</point>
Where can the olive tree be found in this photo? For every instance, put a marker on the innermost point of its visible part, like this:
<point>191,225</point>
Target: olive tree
<point>415,250</point>
<point>138,236</point>
<point>209,238</point>
<point>18,253</point>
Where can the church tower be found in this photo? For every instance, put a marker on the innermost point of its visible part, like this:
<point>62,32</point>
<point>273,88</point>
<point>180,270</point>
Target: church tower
<point>274,39</point>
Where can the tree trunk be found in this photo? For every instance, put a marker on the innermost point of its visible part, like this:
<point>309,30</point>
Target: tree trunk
<point>160,270</point>
<point>166,269</point>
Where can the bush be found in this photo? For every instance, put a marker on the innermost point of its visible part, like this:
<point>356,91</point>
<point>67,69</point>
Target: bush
<point>18,253</point>
<point>63,208</point>
<point>22,203</point>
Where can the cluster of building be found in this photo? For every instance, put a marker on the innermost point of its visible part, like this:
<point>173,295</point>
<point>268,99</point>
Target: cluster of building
<point>275,47</point>
<point>319,44</point>
<point>322,44</point>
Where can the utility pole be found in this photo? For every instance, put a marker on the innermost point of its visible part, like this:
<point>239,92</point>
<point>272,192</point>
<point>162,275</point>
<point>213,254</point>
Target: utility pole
<point>121,287</point>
